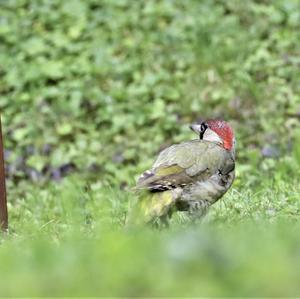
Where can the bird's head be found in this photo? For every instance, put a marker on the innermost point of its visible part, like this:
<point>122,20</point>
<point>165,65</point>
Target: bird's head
<point>217,131</point>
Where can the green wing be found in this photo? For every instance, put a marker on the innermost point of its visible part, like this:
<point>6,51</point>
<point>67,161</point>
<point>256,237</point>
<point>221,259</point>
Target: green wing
<point>182,164</point>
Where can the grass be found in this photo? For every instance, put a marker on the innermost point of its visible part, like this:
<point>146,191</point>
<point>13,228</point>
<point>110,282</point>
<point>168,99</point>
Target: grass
<point>91,91</point>
<point>70,240</point>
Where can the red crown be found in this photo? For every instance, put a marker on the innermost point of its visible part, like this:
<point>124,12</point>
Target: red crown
<point>224,130</point>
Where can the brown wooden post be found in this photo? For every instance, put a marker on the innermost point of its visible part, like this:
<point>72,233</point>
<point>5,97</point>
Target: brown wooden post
<point>3,203</point>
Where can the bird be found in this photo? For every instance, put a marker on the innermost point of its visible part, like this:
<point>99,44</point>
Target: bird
<point>187,177</point>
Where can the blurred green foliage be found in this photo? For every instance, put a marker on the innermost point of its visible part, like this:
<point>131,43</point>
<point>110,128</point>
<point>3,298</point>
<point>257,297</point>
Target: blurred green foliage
<point>103,85</point>
<point>70,241</point>
<point>93,90</point>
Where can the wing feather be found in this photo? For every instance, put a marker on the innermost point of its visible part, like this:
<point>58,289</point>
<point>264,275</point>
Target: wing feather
<point>182,164</point>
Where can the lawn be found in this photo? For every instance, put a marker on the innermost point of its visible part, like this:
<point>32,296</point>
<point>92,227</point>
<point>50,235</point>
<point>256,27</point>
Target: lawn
<point>91,91</point>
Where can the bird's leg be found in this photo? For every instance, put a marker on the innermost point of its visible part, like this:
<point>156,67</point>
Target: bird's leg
<point>164,221</point>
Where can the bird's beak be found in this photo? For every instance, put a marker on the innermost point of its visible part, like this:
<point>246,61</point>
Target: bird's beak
<point>196,128</point>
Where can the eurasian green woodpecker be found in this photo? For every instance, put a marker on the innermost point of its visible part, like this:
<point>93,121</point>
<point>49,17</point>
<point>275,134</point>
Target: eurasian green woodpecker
<point>189,176</point>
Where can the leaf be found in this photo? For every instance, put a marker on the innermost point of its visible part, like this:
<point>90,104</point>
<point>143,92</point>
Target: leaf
<point>36,162</point>
<point>158,109</point>
<point>64,129</point>
<point>52,69</point>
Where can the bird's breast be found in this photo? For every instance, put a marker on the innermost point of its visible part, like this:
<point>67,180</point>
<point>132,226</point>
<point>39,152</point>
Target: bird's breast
<point>209,190</point>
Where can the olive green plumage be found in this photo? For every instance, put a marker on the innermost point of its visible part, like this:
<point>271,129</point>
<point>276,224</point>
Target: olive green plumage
<point>189,176</point>
<point>151,207</point>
